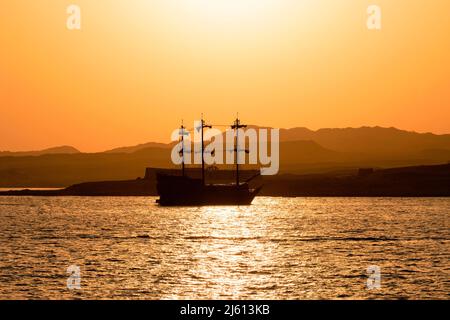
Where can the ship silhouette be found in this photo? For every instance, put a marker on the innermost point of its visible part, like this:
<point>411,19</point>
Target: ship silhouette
<point>181,190</point>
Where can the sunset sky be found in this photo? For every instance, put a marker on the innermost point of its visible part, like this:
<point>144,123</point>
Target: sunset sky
<point>137,67</point>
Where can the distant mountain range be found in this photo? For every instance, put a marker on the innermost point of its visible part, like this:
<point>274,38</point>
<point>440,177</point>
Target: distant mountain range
<point>139,147</point>
<point>370,140</point>
<point>302,151</point>
<point>367,140</point>
<point>55,150</point>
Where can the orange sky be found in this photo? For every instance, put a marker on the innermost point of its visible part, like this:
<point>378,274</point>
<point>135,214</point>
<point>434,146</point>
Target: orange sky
<point>138,66</point>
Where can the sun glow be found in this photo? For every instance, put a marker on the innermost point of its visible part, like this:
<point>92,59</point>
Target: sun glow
<point>226,10</point>
<point>220,18</point>
<point>280,63</point>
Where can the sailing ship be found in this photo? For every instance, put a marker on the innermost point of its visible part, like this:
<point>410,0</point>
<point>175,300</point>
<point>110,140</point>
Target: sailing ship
<point>181,190</point>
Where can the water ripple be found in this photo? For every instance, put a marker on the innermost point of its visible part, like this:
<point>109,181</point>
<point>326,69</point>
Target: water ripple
<point>295,248</point>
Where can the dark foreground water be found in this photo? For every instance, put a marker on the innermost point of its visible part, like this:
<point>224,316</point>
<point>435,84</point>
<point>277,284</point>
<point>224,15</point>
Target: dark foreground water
<point>301,248</point>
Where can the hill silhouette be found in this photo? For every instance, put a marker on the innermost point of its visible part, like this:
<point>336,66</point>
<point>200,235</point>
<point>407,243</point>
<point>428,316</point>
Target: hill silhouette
<point>370,140</point>
<point>302,151</point>
<point>138,147</point>
<point>373,141</point>
<point>419,181</point>
<point>54,150</point>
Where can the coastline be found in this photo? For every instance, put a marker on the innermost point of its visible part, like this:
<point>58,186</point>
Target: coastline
<point>418,181</point>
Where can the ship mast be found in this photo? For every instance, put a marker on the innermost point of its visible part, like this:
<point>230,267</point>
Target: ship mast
<point>236,126</point>
<point>203,149</point>
<point>182,133</point>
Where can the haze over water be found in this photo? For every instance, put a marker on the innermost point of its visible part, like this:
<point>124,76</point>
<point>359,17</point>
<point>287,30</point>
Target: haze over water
<point>278,248</point>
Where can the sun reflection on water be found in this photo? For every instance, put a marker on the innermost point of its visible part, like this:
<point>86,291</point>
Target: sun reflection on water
<point>303,248</point>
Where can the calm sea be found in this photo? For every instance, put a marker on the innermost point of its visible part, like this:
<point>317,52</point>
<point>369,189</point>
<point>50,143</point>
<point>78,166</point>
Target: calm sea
<point>278,248</point>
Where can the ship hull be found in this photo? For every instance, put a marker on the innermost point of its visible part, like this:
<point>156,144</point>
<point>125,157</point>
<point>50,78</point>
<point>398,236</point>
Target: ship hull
<point>181,191</point>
